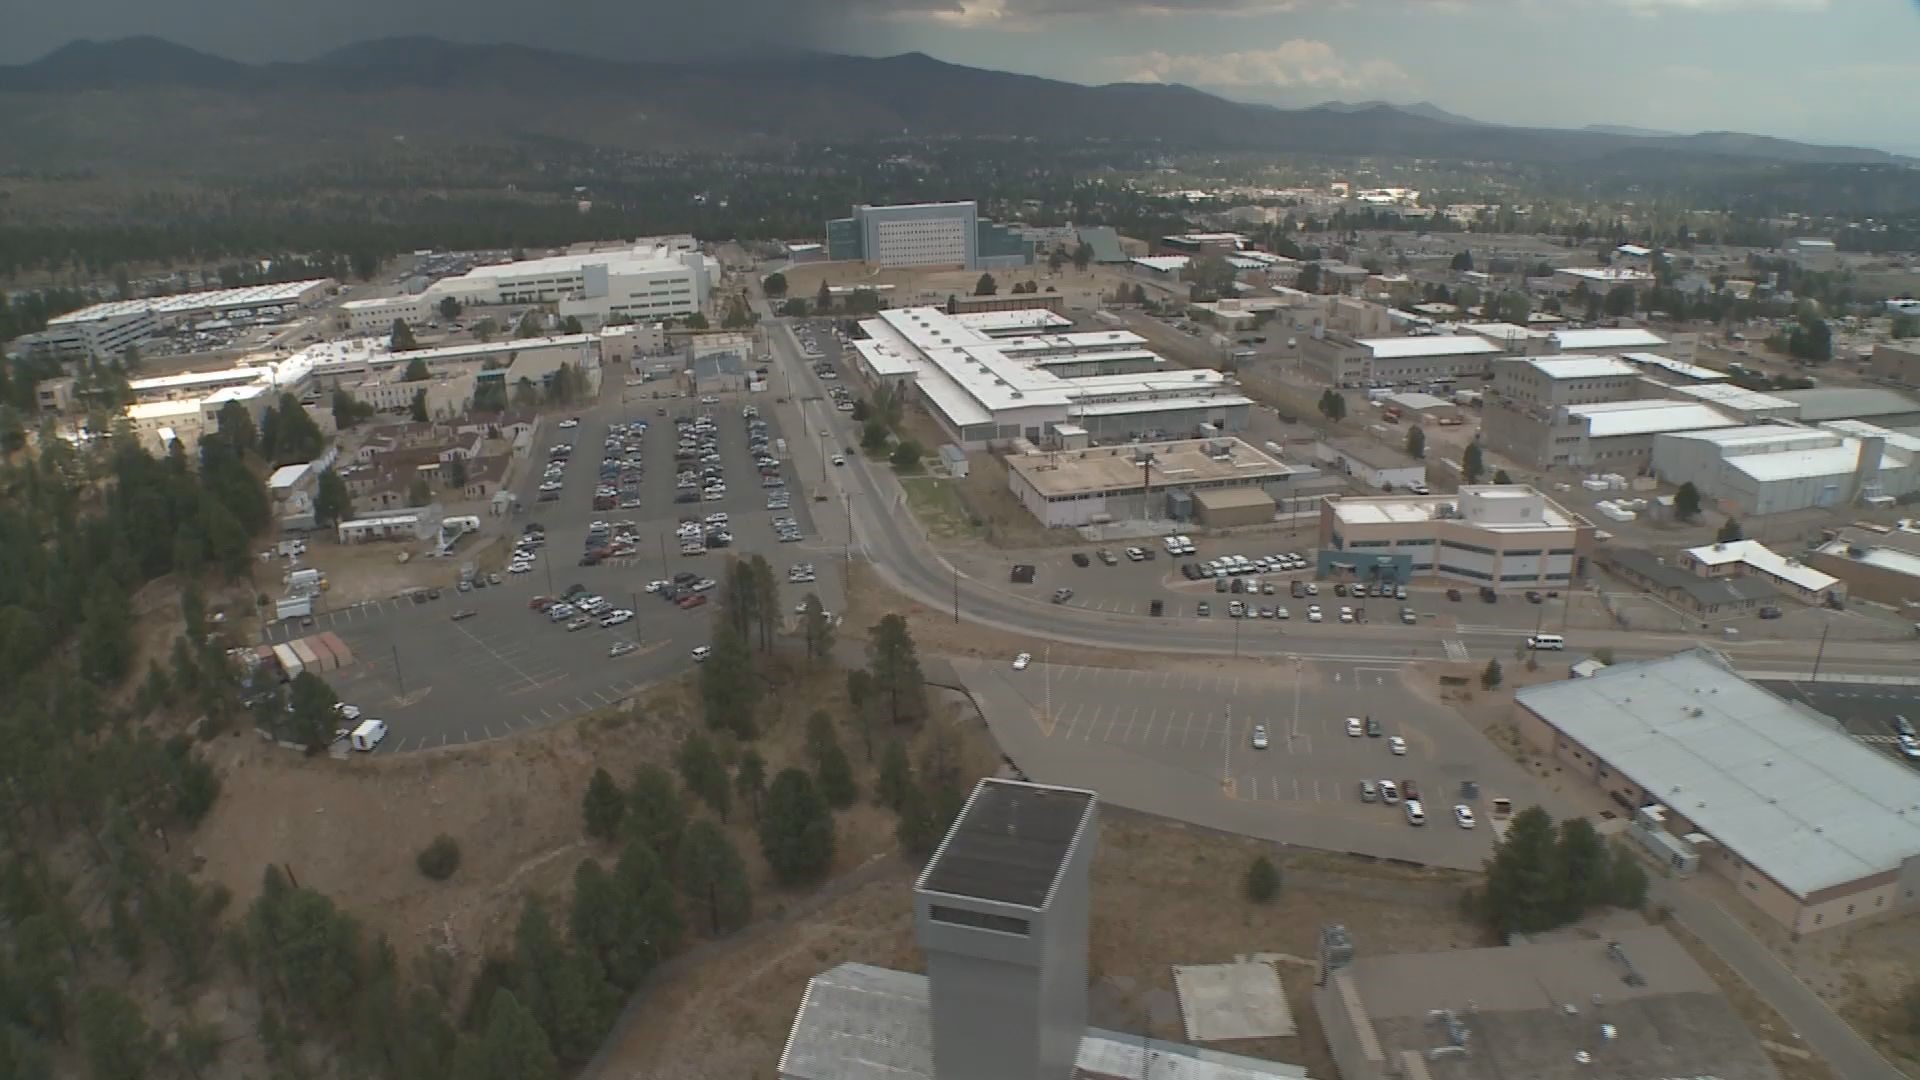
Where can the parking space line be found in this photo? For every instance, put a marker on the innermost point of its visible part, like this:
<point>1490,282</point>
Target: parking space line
<point>1077,707</point>
<point>1296,789</point>
<point>1131,717</point>
<point>1088,737</point>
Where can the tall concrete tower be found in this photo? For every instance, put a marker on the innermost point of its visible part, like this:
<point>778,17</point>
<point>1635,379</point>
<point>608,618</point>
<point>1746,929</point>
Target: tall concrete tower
<point>1001,912</point>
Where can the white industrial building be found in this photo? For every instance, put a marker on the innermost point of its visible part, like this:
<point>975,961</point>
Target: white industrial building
<point>1545,382</point>
<point>1599,280</point>
<point>1776,469</point>
<point>1746,406</point>
<point>377,316</point>
<point>980,394</point>
<point>642,284</point>
<point>1618,435</point>
<point>105,330</point>
<point>1398,361</point>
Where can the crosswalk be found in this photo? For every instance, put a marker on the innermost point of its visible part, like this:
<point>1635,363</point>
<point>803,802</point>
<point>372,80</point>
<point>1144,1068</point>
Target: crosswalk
<point>1456,649</point>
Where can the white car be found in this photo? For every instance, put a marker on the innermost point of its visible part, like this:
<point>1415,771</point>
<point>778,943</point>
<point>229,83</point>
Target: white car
<point>656,586</point>
<point>519,567</point>
<point>1282,613</point>
<point>839,459</point>
<point>1313,613</point>
<point>703,585</point>
<point>1021,661</point>
<point>1259,736</point>
<point>570,423</point>
<point>1908,745</point>
<point>1346,614</point>
<point>621,648</point>
<point>700,653</point>
<point>1353,727</point>
<point>616,618</point>
<point>346,711</point>
<point>1416,813</point>
<point>1397,744</point>
<point>1463,815</point>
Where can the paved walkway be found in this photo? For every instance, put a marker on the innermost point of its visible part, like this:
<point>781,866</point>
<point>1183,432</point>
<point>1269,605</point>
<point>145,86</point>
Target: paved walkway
<point>1819,1027</point>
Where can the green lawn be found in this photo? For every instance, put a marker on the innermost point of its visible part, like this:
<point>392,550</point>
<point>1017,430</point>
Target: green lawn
<point>937,504</point>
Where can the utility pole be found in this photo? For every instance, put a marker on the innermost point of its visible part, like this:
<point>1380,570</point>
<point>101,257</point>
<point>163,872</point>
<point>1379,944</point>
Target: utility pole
<point>1236,638</point>
<point>399,676</point>
<point>1294,733</point>
<point>1226,750</point>
<point>1825,625</point>
<point>638,636</point>
<point>846,501</point>
<point>1046,663</point>
<point>664,576</point>
<point>956,594</point>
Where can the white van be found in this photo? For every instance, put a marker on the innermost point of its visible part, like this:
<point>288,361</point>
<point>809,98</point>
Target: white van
<point>368,734</point>
<point>1416,814</point>
<point>1549,642</point>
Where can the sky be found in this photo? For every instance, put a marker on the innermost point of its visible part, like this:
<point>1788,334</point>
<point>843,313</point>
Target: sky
<point>1833,71</point>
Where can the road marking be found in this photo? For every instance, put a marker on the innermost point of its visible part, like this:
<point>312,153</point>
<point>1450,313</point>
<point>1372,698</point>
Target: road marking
<point>1456,649</point>
<point>1296,789</point>
<point>1148,734</point>
<point>1071,724</point>
<point>1093,723</point>
<point>487,730</point>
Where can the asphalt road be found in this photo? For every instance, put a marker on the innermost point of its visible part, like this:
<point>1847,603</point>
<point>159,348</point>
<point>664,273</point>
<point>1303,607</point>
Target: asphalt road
<point>886,535</point>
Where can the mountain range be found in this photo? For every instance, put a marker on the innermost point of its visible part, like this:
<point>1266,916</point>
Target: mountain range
<point>146,101</point>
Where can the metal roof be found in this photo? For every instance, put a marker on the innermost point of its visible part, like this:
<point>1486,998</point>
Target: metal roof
<point>1402,348</point>
<point>1625,337</point>
<point>1581,367</point>
<point>1010,843</point>
<point>1845,403</point>
<point>1610,418</point>
<point>1781,786</point>
<point>1764,559</point>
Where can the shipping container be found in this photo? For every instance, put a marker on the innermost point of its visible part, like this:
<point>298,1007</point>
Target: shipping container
<point>308,659</point>
<point>321,654</point>
<point>340,650</point>
<point>289,661</point>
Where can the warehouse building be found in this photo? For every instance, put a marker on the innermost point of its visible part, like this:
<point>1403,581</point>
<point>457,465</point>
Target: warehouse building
<point>980,394</point>
<point>1374,465</point>
<point>1598,280</point>
<point>1164,481</point>
<point>1815,828</point>
<point>1746,406</point>
<point>926,234</point>
<point>1616,436</point>
<point>1547,382</point>
<point>1667,371</point>
<point>1635,1005</point>
<point>1777,469</point>
<point>1880,564</point>
<point>1887,408</point>
<point>1397,361</point>
<point>1505,536</point>
<point>1001,913</point>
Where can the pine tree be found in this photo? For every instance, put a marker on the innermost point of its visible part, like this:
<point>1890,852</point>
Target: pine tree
<point>603,806</point>
<point>1523,887</point>
<point>750,779</point>
<point>796,831</point>
<point>656,812</point>
<point>714,878</point>
<point>895,667</point>
<point>896,775</point>
<point>1263,880</point>
<point>704,774</point>
<point>514,1045</point>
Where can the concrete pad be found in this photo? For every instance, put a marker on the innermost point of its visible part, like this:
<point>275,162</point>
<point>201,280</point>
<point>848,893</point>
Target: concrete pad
<point>1232,1001</point>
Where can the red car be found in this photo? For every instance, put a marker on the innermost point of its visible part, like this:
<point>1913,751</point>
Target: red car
<point>692,600</point>
<point>540,603</point>
<point>1409,789</point>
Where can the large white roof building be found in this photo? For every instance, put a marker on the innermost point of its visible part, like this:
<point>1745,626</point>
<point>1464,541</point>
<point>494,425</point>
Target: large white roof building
<point>1776,468</point>
<point>983,389</point>
<point>642,283</point>
<point>1817,827</point>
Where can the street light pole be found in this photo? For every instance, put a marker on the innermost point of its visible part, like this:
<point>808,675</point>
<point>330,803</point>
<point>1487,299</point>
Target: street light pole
<point>1297,676</point>
<point>1825,625</point>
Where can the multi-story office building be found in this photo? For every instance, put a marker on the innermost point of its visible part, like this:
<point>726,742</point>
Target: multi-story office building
<point>926,234</point>
<point>639,283</point>
<point>101,332</point>
<point>1544,382</point>
<point>377,316</point>
<point>1416,360</point>
<point>1507,536</point>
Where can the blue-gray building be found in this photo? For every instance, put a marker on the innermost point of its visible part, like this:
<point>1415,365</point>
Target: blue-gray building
<point>926,234</point>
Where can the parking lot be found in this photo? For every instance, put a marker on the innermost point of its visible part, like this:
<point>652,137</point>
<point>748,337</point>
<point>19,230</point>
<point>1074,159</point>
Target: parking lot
<point>1869,711</point>
<point>1183,745</point>
<point>439,681</point>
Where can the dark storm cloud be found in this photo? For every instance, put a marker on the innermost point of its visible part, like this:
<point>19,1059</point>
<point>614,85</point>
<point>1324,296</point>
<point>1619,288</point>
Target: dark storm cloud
<point>258,30</point>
